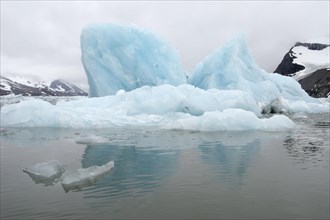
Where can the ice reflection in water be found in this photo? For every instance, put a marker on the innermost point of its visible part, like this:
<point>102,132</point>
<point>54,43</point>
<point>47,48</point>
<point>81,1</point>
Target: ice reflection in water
<point>231,163</point>
<point>145,161</point>
<point>136,171</point>
<point>192,174</point>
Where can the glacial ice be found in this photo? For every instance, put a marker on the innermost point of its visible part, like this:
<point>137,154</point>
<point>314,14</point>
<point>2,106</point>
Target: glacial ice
<point>231,119</point>
<point>232,68</point>
<point>46,172</point>
<point>157,107</point>
<point>127,57</point>
<point>226,91</point>
<point>146,106</point>
<point>85,176</point>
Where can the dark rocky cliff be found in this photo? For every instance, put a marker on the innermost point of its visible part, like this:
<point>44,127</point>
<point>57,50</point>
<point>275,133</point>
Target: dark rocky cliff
<point>317,83</point>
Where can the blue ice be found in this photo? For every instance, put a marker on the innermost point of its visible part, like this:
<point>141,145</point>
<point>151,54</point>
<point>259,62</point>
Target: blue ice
<point>136,79</point>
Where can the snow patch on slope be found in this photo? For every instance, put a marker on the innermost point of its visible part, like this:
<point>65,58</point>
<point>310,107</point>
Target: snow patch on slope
<point>312,60</point>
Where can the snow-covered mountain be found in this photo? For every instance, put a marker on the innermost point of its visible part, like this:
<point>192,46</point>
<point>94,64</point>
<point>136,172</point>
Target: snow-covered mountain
<point>309,64</point>
<point>22,86</point>
<point>62,86</point>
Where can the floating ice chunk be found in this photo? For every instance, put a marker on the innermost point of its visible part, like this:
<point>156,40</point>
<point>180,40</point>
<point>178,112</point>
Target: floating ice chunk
<point>84,177</point>
<point>47,172</point>
<point>299,116</point>
<point>119,57</point>
<point>91,139</point>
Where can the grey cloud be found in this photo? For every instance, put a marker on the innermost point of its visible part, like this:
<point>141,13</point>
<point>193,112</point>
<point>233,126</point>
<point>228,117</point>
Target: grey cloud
<point>42,38</point>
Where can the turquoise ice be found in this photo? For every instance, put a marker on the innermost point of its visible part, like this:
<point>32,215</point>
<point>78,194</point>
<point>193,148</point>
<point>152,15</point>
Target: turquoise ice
<point>117,57</point>
<point>136,80</point>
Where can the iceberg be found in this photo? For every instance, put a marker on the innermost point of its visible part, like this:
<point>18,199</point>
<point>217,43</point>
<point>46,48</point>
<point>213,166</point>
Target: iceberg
<point>84,177</point>
<point>232,67</point>
<point>46,172</point>
<point>118,57</point>
<point>135,80</point>
<point>157,107</point>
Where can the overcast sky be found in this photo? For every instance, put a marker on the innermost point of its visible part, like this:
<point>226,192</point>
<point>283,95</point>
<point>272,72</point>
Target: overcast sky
<point>41,38</point>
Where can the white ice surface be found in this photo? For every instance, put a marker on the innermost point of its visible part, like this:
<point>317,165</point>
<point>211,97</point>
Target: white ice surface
<point>156,107</point>
<point>84,174</point>
<point>231,119</point>
<point>91,139</point>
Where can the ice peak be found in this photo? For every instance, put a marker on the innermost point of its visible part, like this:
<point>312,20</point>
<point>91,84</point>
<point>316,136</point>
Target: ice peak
<point>127,57</point>
<point>226,66</point>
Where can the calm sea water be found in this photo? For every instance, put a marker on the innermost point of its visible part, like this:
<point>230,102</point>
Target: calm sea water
<point>161,174</point>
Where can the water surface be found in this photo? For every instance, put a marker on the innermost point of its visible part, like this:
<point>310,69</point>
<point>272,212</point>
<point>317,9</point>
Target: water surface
<point>161,174</point>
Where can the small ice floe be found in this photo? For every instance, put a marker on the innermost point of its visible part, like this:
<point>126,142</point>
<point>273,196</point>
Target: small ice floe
<point>91,139</point>
<point>84,177</point>
<point>299,115</point>
<point>47,172</point>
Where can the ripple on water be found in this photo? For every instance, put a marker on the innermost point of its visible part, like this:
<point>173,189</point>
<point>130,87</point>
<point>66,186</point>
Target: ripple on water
<point>309,142</point>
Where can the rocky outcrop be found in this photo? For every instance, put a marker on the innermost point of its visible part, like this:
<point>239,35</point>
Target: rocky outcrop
<point>309,64</point>
<point>317,84</point>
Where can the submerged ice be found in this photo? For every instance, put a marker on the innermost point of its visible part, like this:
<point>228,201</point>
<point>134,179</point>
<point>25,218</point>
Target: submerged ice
<point>85,176</point>
<point>51,171</point>
<point>135,79</point>
<point>46,172</point>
